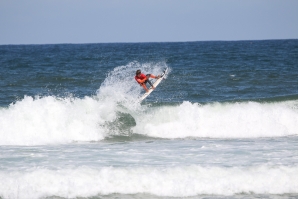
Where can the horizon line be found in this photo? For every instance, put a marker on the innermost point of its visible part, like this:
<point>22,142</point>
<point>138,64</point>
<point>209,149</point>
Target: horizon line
<point>145,42</point>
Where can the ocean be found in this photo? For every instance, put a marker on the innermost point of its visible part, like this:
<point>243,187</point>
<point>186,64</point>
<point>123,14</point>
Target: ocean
<point>223,124</point>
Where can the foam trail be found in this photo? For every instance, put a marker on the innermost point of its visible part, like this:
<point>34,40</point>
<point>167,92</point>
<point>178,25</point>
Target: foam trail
<point>176,182</point>
<point>220,120</point>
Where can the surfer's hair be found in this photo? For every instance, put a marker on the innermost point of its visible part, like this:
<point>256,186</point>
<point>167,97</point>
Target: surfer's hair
<point>138,72</point>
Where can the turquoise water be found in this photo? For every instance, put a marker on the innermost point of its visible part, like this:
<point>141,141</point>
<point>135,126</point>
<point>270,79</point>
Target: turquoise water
<point>223,124</point>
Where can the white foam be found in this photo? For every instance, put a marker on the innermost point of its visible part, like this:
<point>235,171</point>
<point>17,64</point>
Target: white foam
<point>49,120</point>
<point>221,120</point>
<point>176,182</point>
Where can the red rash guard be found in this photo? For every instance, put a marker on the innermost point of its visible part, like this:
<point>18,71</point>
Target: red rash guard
<point>140,78</point>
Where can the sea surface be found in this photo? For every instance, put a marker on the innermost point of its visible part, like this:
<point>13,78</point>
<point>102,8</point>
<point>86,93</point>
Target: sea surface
<point>222,125</point>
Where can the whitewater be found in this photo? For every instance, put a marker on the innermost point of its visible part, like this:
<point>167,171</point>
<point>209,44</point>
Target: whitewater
<point>178,182</point>
<point>50,120</point>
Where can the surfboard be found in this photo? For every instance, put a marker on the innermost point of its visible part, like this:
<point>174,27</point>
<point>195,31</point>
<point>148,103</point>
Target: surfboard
<point>155,84</point>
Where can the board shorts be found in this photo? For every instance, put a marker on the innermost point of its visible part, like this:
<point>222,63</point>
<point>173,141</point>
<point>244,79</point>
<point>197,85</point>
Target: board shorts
<point>147,75</point>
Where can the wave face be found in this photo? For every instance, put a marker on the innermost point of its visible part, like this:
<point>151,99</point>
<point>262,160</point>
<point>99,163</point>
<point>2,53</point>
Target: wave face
<point>175,182</point>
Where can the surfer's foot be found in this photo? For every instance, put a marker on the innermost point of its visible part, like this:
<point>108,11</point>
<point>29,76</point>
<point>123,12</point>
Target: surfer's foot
<point>153,87</point>
<point>157,77</point>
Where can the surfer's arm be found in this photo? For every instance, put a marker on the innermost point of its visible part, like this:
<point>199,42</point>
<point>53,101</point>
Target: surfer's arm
<point>141,81</point>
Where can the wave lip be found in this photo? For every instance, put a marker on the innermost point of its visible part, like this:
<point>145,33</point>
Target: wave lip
<point>174,182</point>
<point>221,120</point>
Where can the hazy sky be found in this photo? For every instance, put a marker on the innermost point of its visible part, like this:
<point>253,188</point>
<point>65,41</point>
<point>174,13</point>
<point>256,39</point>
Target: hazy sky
<point>102,21</point>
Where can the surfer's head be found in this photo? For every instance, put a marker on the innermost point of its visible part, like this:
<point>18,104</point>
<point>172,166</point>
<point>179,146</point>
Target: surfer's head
<point>138,72</point>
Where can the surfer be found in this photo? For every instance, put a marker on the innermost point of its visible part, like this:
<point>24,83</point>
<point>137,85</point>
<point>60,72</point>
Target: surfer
<point>142,79</point>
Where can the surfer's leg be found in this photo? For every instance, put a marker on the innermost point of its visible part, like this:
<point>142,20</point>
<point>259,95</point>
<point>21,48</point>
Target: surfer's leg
<point>152,76</point>
<point>144,86</point>
<point>150,83</point>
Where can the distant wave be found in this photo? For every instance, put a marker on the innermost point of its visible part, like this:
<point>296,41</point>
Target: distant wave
<point>281,98</point>
<point>173,182</point>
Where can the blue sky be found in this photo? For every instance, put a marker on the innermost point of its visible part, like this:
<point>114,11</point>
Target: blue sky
<point>105,21</point>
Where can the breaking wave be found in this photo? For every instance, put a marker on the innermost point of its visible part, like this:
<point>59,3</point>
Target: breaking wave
<point>115,110</point>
